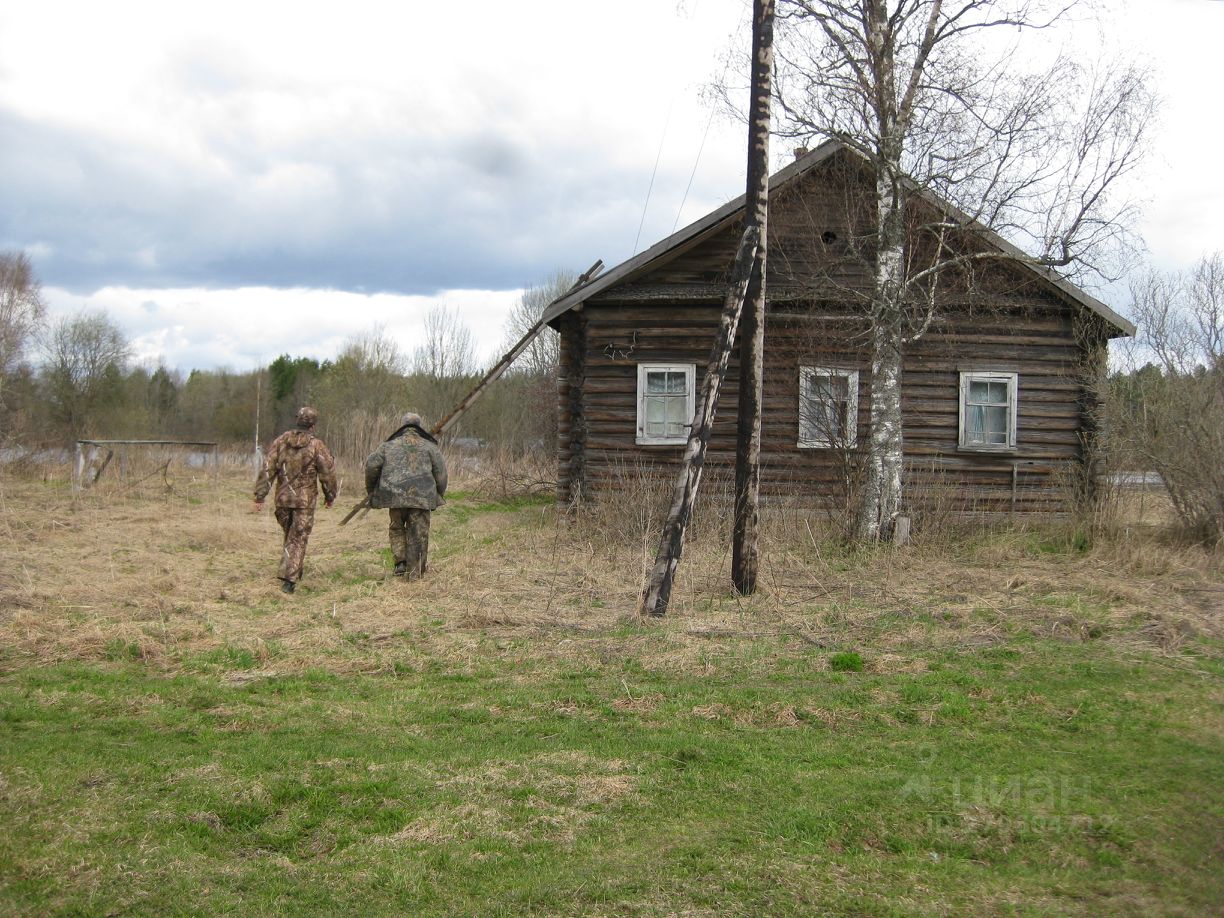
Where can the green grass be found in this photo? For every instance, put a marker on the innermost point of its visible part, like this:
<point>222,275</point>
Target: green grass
<point>846,662</point>
<point>462,506</point>
<point>1033,777</point>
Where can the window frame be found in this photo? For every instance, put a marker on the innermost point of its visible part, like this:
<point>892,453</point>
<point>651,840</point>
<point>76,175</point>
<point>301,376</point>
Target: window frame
<point>1013,406</point>
<point>690,402</point>
<point>809,439</point>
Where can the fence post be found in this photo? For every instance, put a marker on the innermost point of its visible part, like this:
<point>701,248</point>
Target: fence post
<point>78,469</point>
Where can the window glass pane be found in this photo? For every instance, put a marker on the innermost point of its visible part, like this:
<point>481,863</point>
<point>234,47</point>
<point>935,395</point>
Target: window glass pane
<point>996,424</point>
<point>818,421</point>
<point>654,410</point>
<point>998,393</point>
<point>656,382</point>
<point>979,390</point>
<point>996,419</point>
<point>975,423</point>
<point>676,420</point>
<point>831,421</point>
<point>677,384</point>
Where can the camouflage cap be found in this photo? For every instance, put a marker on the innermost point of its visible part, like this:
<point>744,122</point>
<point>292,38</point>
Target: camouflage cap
<point>411,417</point>
<point>307,417</point>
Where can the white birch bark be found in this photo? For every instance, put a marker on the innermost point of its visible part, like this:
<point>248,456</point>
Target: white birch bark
<point>881,500</point>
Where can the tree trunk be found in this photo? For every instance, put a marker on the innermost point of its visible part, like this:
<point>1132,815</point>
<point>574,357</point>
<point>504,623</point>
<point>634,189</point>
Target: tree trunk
<point>745,555</point>
<point>881,501</point>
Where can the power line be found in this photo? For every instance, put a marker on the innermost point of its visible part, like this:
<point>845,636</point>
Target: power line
<point>653,173</point>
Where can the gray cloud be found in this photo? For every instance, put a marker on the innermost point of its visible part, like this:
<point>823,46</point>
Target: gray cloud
<point>362,199</point>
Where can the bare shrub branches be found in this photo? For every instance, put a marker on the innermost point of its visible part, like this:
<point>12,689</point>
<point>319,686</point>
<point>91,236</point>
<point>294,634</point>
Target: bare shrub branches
<point>1169,413</point>
<point>84,357</point>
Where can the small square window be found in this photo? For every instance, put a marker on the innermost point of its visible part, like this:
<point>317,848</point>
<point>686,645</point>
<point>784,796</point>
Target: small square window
<point>666,400</point>
<point>828,407</point>
<point>988,411</point>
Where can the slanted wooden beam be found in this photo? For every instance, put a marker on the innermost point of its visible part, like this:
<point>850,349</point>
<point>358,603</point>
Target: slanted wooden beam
<point>657,592</point>
<point>510,356</point>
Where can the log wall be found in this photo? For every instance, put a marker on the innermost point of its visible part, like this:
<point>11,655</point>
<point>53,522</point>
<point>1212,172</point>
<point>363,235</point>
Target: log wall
<point>1037,342</point>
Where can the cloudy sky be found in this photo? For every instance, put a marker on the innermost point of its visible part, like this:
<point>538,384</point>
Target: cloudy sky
<point>236,180</point>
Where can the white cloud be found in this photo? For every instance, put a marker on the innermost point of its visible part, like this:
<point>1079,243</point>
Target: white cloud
<point>248,327</point>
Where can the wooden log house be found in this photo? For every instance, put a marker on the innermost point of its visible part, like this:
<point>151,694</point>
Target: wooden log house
<point>998,396</point>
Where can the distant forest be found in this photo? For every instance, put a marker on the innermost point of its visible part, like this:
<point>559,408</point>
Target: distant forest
<point>74,378</point>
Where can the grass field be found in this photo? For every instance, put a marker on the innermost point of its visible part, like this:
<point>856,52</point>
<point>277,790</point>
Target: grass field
<point>1011,722</point>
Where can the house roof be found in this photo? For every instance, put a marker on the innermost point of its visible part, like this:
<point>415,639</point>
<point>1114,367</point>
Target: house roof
<point>714,222</point>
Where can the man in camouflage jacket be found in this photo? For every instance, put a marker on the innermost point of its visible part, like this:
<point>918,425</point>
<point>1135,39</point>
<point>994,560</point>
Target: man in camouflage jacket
<point>298,463</point>
<point>407,475</point>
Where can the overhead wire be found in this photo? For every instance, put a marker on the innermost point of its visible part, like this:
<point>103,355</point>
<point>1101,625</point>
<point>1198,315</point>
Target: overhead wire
<point>659,154</point>
<point>653,173</point>
<point>700,150</point>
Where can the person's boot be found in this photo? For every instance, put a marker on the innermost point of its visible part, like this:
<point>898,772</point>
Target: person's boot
<point>401,568</point>
<point>288,586</point>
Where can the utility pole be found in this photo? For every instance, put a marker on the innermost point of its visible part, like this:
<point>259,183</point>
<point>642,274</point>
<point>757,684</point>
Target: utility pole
<point>747,276</point>
<point>258,394</point>
<point>745,553</point>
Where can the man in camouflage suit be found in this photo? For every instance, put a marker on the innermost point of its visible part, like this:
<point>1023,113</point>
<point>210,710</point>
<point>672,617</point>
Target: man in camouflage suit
<point>407,475</point>
<point>297,462</point>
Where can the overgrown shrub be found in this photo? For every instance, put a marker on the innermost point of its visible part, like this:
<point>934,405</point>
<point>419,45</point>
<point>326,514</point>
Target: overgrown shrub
<point>1168,414</point>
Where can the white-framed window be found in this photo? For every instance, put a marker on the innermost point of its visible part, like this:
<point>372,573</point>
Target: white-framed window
<point>828,407</point>
<point>666,398</point>
<point>988,410</point>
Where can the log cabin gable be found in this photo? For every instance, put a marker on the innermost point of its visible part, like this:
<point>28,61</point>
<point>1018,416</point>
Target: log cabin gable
<point>820,247</point>
<point>993,395</point>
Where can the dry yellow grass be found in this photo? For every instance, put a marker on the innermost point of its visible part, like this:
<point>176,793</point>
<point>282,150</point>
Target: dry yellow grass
<point>172,572</point>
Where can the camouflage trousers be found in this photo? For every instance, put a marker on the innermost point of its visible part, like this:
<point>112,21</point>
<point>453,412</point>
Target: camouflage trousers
<point>295,523</point>
<point>409,532</point>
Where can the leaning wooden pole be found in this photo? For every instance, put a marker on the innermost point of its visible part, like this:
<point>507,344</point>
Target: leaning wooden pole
<point>509,357</point>
<point>745,553</point>
<point>657,592</point>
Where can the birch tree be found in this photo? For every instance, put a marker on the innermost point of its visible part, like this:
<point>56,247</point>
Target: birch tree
<point>944,100</point>
<point>21,311</point>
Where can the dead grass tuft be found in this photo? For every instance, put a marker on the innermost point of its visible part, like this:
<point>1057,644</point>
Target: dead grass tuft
<point>549,797</point>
